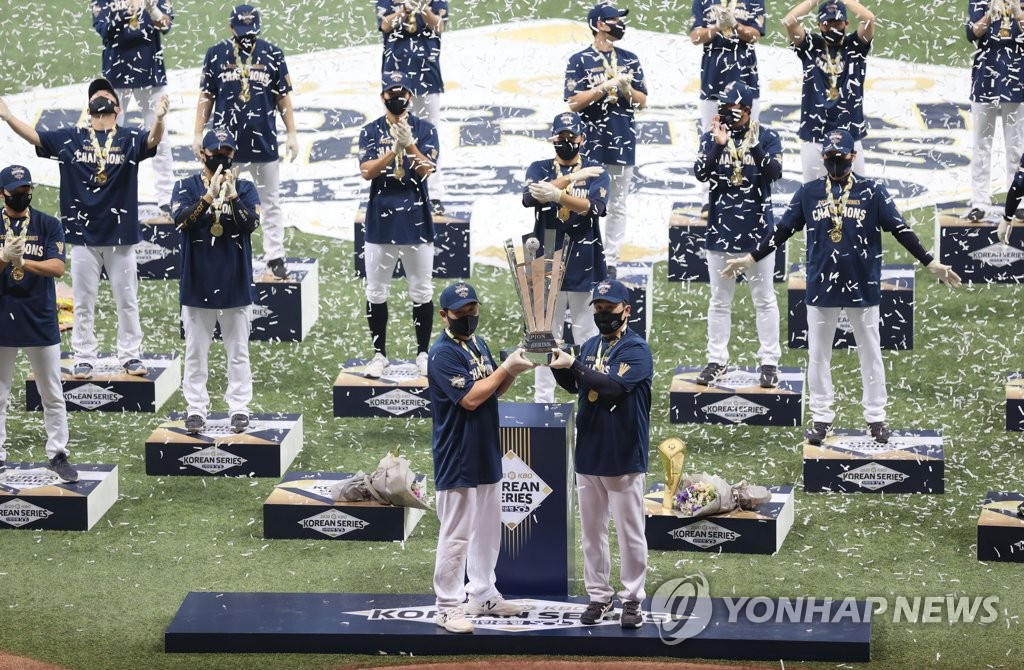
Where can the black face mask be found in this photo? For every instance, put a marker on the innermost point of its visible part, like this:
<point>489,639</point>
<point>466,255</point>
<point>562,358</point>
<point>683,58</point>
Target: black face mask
<point>617,30</point>
<point>18,202</point>
<point>729,116</point>
<point>217,161</point>
<point>834,36</point>
<point>101,105</point>
<point>463,326</point>
<point>837,166</point>
<point>245,42</point>
<point>567,150</point>
<point>609,322</point>
<point>397,105</point>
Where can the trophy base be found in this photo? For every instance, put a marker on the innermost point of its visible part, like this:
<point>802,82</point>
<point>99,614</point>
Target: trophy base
<point>538,347</point>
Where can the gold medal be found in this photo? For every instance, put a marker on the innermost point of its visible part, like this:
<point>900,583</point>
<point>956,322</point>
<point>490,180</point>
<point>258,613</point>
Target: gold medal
<point>133,22</point>
<point>563,214</point>
<point>101,153</point>
<point>836,235</point>
<point>399,171</point>
<point>101,177</point>
<point>1004,32</point>
<point>216,229</point>
<point>245,95</point>
<point>563,211</point>
<point>592,396</point>
<point>833,93</point>
<point>836,210</point>
<point>737,176</point>
<point>17,274</point>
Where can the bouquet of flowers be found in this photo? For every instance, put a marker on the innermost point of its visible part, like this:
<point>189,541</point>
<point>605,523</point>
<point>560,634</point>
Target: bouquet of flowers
<point>697,499</point>
<point>704,494</point>
<point>392,483</point>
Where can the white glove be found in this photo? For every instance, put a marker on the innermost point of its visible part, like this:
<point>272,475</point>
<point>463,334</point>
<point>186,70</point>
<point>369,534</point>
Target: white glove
<point>727,20</point>
<point>585,173</point>
<point>402,134</point>
<point>608,84</point>
<point>229,185</point>
<point>517,363</point>
<point>13,249</point>
<point>291,147</point>
<point>162,105</point>
<point>561,360</point>
<point>1003,231</point>
<point>213,190</point>
<point>545,191</point>
<point>737,266</point>
<point>5,112</point>
<point>944,273</point>
<point>624,82</point>
<point>154,11</point>
<point>995,10</point>
<point>754,133</point>
<point>197,145</point>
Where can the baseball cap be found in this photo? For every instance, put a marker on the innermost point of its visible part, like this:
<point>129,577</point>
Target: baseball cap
<point>837,141</point>
<point>457,295</point>
<point>245,20</point>
<point>831,10</point>
<point>15,176</point>
<point>736,92</point>
<point>567,121</point>
<point>392,80</point>
<point>102,84</point>
<point>217,138</point>
<point>611,290</point>
<point>603,12</point>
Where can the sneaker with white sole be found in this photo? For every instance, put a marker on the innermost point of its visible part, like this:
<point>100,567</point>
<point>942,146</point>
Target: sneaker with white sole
<point>82,371</point>
<point>376,367</point>
<point>632,615</point>
<point>595,612</point>
<point>194,424</point>
<point>496,606</point>
<point>421,363</point>
<point>453,620</point>
<point>60,466</point>
<point>135,367</point>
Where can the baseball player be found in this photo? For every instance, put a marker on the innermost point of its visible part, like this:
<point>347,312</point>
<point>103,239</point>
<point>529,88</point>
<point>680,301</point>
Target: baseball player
<point>464,384</point>
<point>133,61</point>
<point>31,256</point>
<point>412,45</point>
<point>568,195</point>
<point>606,85</point>
<point>613,377</point>
<point>834,67</point>
<point>245,82</point>
<point>1013,198</point>
<point>727,30</point>
<point>397,154</point>
<point>994,28</point>
<point>740,160</point>
<point>844,214</point>
<point>99,205</point>
<point>217,214</point>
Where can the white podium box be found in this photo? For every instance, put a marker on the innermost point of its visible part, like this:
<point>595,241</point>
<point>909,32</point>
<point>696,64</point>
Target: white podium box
<point>401,392</point>
<point>286,309</point>
<point>34,498</point>
<point>111,389</point>
<point>687,260</point>
<point>850,461</point>
<point>1001,527</point>
<point>737,397</point>
<point>974,251</point>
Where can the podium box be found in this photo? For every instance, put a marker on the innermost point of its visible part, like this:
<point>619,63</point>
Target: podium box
<point>286,309</point>
<point>687,231</point>
<point>1015,401</point>
<point>849,461</point>
<point>758,531</point>
<point>451,246</point>
<point>1000,528</point>
<point>301,508</point>
<point>34,498</point>
<point>637,277</point>
<point>973,250</point>
<point>401,392</point>
<point>158,255</point>
<point>111,389</point>
<point>538,533</point>
<point>266,449</point>
<point>896,311</point>
<point>737,398</point>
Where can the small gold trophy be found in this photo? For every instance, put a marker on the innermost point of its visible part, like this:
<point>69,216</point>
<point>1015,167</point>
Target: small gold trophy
<point>673,453</point>
<point>538,279</point>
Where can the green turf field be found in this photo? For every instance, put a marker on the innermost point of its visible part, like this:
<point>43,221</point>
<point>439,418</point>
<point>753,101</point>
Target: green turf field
<point>102,599</point>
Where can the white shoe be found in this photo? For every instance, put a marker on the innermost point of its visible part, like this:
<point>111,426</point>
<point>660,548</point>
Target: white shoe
<point>421,363</point>
<point>454,620</point>
<point>496,606</point>
<point>376,367</point>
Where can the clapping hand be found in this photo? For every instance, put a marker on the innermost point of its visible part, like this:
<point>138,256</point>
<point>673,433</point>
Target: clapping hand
<point>545,191</point>
<point>585,173</point>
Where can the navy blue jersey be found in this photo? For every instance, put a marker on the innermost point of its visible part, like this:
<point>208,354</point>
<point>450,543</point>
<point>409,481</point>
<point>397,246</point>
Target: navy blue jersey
<point>739,216</point>
<point>845,273</point>
<point>398,211</point>
<point>613,441</point>
<point>586,265</point>
<point>133,56</point>
<point>728,59</point>
<point>610,129</point>
<point>414,51</point>
<point>28,308</point>
<point>466,445</point>
<point>998,57</point>
<point>818,113</point>
<point>216,272</point>
<point>98,214</point>
<point>253,123</point>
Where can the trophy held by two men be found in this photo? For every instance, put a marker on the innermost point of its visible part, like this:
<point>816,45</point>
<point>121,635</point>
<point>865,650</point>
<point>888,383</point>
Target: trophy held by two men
<point>538,281</point>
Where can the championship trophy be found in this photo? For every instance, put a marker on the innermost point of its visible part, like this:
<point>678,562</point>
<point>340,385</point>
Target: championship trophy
<point>538,280</point>
<point>672,452</point>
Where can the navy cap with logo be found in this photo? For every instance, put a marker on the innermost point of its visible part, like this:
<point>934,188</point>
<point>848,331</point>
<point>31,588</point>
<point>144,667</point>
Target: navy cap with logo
<point>837,141</point>
<point>737,93</point>
<point>570,121</point>
<point>831,10</point>
<point>217,138</point>
<point>603,12</point>
<point>611,290</point>
<point>102,84</point>
<point>392,80</point>
<point>457,295</point>
<point>245,20</point>
<point>15,176</point>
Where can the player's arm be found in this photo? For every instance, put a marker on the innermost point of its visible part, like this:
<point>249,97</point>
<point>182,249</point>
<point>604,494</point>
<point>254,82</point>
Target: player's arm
<point>701,33</point>
<point>866,29</point>
<point>711,146</point>
<point>156,133</point>
<point>101,20</point>
<point>387,23</point>
<point>373,168</point>
<point>792,221</point>
<point>51,267</point>
<point>1014,195</point>
<point>203,110</point>
<point>978,21</point>
<point>496,384</point>
<point>748,34</point>
<point>22,129</point>
<point>791,21</point>
<point>435,20</point>
<point>423,166</point>
<point>767,155</point>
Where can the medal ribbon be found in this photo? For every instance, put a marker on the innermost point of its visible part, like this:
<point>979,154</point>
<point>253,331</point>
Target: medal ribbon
<point>102,152</point>
<point>17,274</point>
<point>478,356</point>
<point>563,212</point>
<point>836,210</point>
<point>243,71</point>
<point>399,172</point>
<point>833,68</point>
<point>611,69</point>
<point>737,154</point>
<point>218,201</point>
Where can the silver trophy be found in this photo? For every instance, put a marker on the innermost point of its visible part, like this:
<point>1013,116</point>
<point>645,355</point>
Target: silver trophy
<point>538,280</point>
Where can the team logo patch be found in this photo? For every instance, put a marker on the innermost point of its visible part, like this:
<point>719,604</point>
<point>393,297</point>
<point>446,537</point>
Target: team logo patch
<point>604,287</point>
<point>60,247</point>
<point>18,172</point>
<point>458,382</point>
<point>221,135</point>
<point>395,77</point>
<point>835,138</point>
<point>623,369</point>
<point>247,19</point>
<point>462,290</point>
<point>603,192</point>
